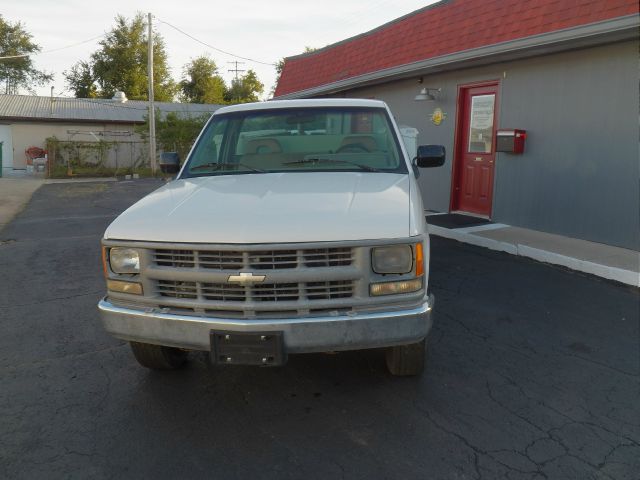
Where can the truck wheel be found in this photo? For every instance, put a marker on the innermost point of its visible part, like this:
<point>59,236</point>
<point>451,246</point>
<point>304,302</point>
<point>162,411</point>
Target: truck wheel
<point>158,357</point>
<point>406,360</point>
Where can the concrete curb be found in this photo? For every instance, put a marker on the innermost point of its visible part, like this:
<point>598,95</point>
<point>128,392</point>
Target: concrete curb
<point>612,273</point>
<point>80,180</point>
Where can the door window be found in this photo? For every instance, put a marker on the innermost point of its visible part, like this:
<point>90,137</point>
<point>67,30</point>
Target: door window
<point>481,124</point>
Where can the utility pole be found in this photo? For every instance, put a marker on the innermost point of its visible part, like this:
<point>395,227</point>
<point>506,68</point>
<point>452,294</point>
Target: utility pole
<point>152,110</point>
<point>236,70</point>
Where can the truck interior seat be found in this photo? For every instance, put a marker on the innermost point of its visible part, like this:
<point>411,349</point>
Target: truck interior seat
<point>264,145</point>
<point>365,141</point>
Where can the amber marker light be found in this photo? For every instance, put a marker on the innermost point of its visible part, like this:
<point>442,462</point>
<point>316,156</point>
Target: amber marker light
<point>419,260</point>
<point>104,261</point>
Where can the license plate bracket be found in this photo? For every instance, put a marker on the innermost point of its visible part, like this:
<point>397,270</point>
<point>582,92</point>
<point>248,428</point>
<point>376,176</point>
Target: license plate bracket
<point>241,348</point>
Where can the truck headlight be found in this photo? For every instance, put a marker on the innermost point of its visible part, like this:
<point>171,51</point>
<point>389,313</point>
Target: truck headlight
<point>124,260</point>
<point>392,259</point>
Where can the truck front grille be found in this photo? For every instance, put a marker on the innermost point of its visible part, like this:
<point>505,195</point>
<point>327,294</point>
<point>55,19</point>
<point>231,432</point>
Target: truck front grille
<point>222,292</point>
<point>290,280</point>
<point>269,292</point>
<point>255,260</point>
<point>175,258</point>
<point>329,290</point>
<point>170,288</point>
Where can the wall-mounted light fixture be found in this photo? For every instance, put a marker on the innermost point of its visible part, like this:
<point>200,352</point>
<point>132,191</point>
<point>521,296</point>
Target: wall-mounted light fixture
<point>427,94</point>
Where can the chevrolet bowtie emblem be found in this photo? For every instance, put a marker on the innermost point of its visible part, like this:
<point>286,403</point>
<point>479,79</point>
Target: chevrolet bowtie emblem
<point>246,278</point>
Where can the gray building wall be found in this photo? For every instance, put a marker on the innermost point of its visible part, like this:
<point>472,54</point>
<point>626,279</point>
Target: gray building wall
<point>35,133</point>
<point>579,175</point>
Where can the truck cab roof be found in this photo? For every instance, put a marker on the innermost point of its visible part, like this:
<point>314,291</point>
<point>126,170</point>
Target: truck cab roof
<point>317,102</point>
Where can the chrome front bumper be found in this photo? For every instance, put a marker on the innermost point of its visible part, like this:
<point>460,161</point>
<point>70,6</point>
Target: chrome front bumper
<point>314,334</point>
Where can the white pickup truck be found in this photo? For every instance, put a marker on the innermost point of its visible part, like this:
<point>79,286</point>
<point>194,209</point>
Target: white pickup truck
<point>292,227</point>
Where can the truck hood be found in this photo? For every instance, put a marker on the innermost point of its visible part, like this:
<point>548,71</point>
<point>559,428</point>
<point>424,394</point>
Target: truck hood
<point>271,208</point>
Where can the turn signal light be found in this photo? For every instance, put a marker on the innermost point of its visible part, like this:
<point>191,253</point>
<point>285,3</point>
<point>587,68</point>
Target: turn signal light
<point>104,261</point>
<point>394,288</point>
<point>124,287</point>
<point>419,260</point>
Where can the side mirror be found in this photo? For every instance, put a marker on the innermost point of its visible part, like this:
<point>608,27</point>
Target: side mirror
<point>169,162</point>
<point>430,156</point>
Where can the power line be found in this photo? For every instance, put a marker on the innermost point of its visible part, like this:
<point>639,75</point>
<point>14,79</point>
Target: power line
<point>359,15</point>
<point>236,70</point>
<point>215,48</point>
<point>53,49</point>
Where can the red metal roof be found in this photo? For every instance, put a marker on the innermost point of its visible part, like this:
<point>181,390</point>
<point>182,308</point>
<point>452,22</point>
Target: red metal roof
<point>440,29</point>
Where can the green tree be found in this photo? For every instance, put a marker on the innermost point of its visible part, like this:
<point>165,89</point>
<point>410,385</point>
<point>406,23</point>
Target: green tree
<point>121,64</point>
<point>201,82</point>
<point>279,68</point>
<point>174,132</point>
<point>81,80</point>
<point>16,73</point>
<point>245,89</point>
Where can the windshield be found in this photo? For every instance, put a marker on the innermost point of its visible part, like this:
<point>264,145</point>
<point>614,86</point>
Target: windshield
<point>297,140</point>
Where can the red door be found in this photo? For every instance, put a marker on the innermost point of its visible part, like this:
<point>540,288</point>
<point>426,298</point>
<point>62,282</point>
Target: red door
<point>475,149</point>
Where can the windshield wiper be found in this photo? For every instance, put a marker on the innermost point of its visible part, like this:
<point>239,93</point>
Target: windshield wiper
<point>214,166</point>
<point>333,160</point>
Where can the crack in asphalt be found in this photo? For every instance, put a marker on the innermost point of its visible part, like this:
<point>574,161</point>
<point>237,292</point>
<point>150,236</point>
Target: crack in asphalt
<point>453,318</point>
<point>44,362</point>
<point>547,434</point>
<point>516,349</point>
<point>612,451</point>
<point>477,451</point>
<point>28,220</point>
<point>570,421</point>
<point>50,239</point>
<point>587,423</point>
<point>599,364</point>
<point>55,299</point>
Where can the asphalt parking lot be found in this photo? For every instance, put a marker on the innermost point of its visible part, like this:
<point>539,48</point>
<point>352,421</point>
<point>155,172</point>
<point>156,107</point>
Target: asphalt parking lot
<point>533,372</point>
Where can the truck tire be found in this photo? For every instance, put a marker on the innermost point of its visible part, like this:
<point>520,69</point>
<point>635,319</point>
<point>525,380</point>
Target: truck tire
<point>158,357</point>
<point>407,360</point>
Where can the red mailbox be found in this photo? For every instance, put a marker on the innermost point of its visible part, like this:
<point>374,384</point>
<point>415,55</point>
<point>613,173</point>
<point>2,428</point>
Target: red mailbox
<point>510,141</point>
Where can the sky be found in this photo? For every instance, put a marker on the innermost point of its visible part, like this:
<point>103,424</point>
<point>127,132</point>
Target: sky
<point>261,30</point>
